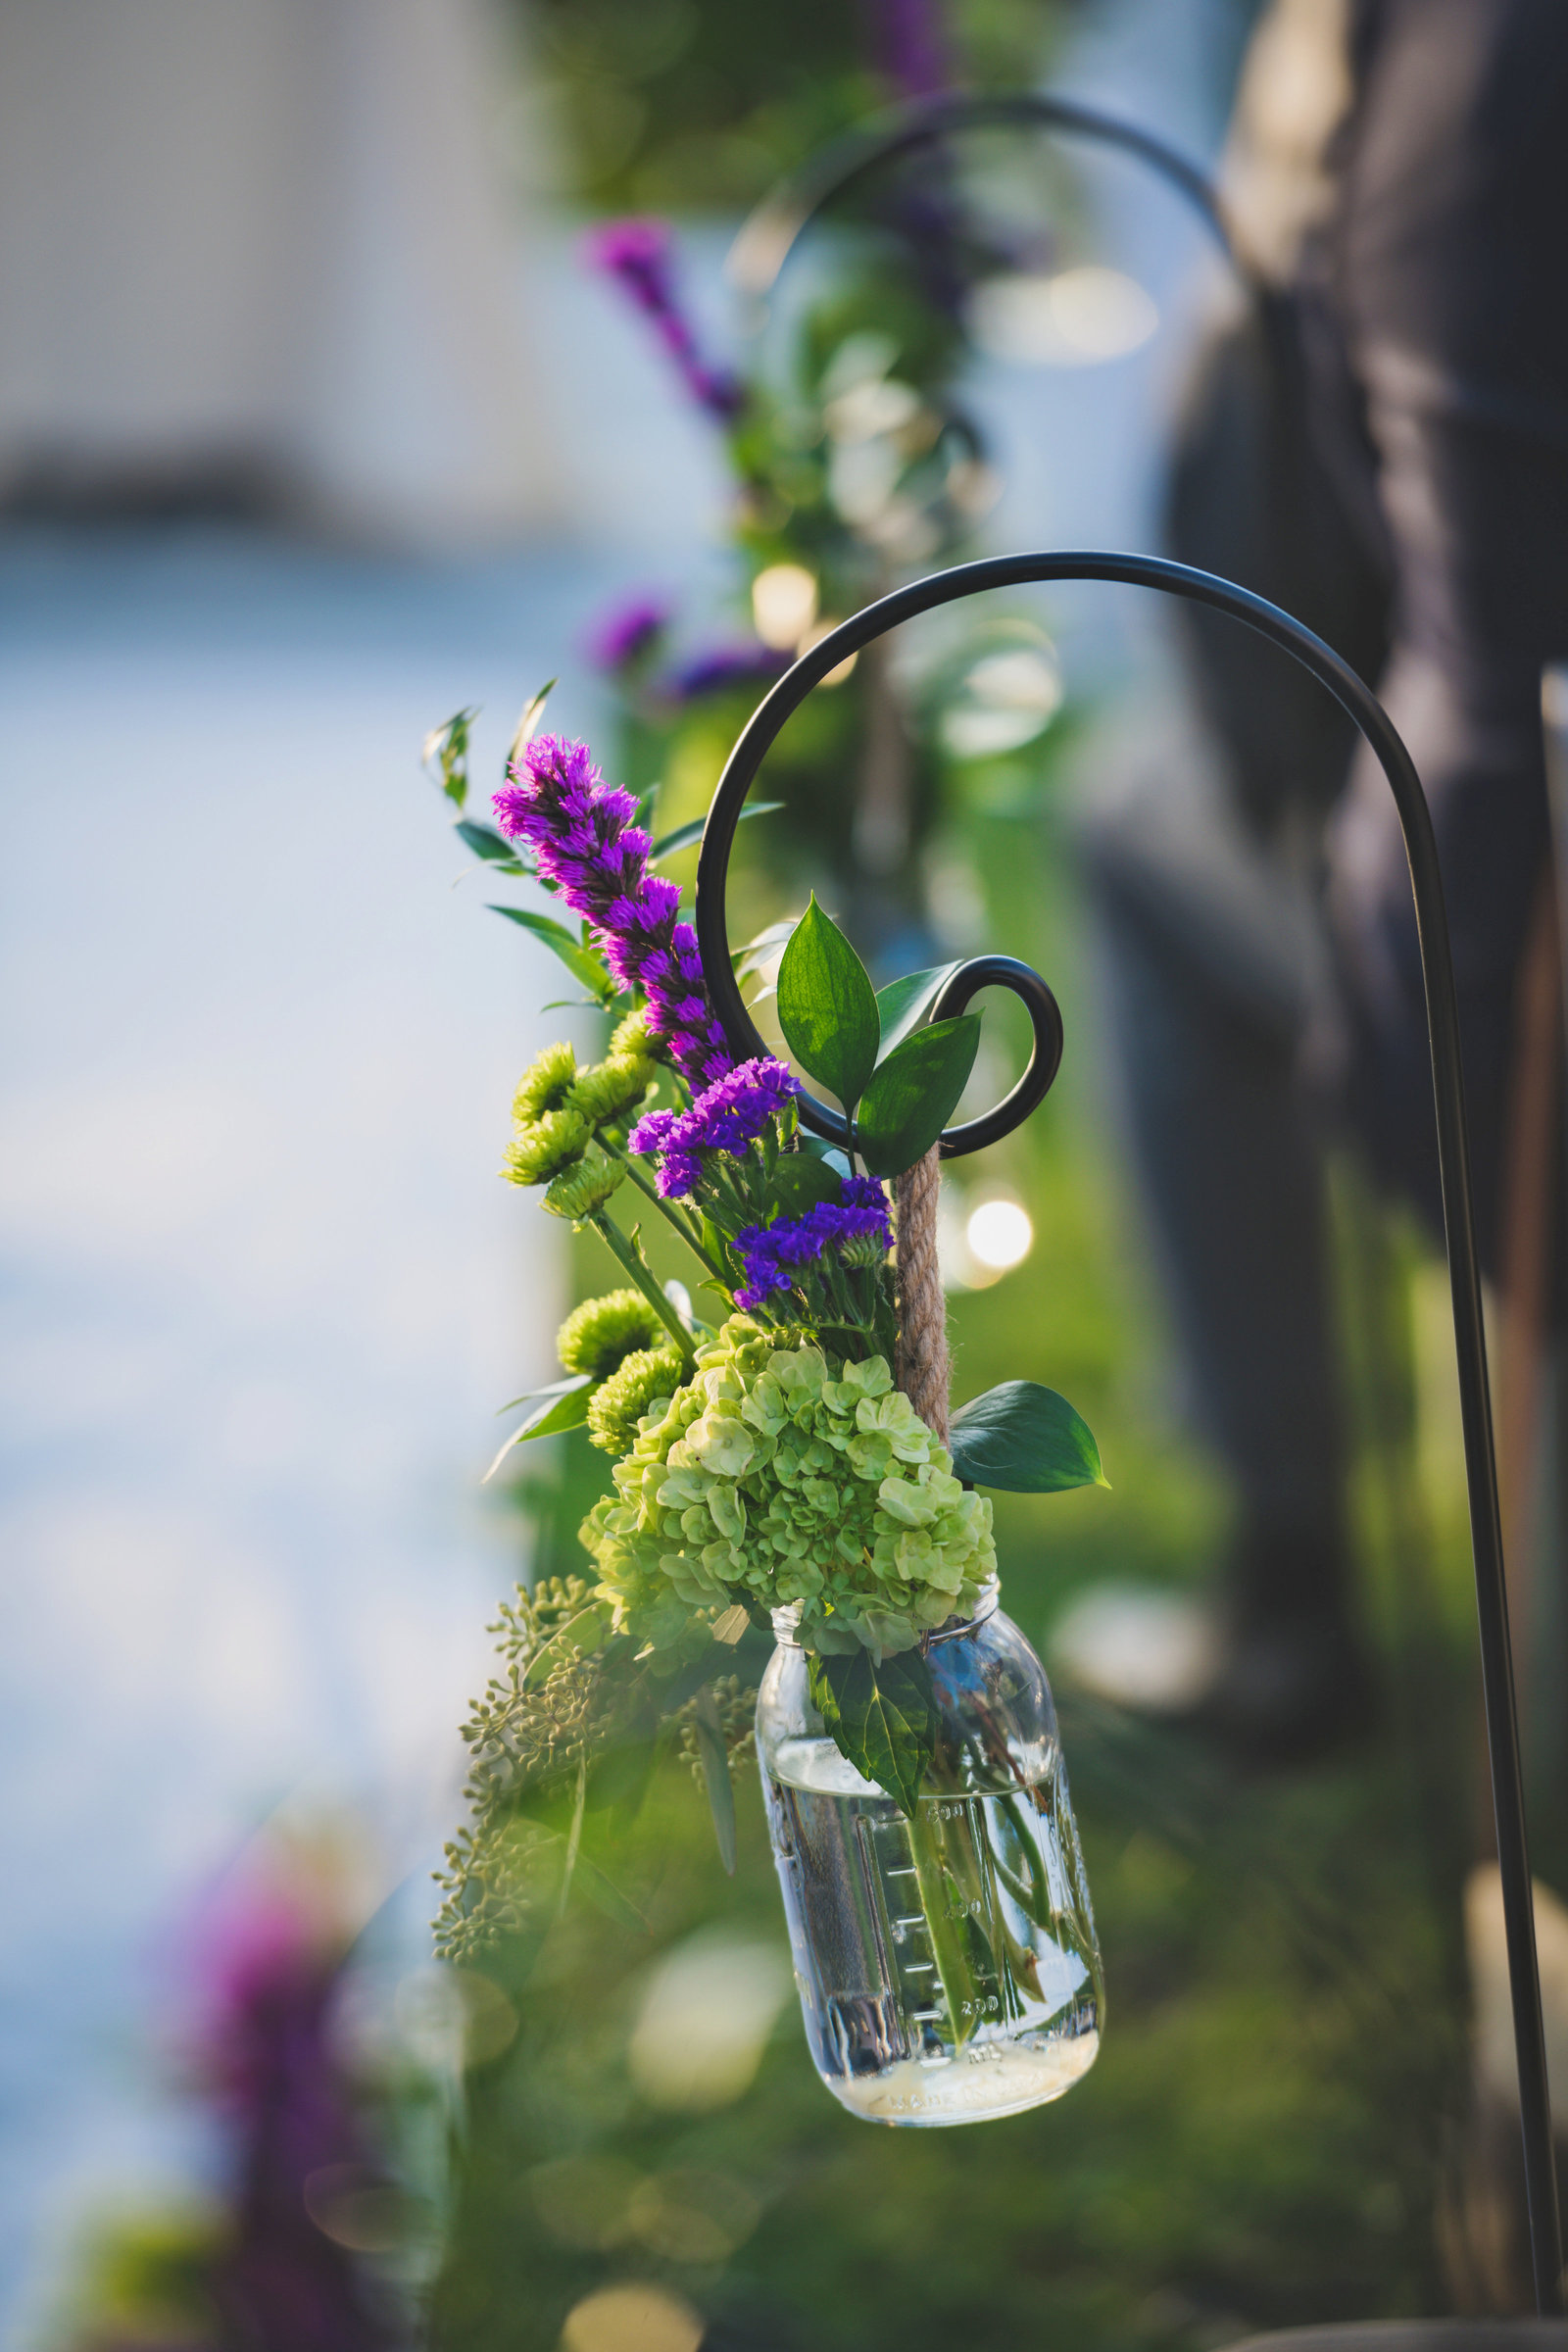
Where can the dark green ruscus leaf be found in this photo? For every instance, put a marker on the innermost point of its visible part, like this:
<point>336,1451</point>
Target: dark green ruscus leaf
<point>827,1006</point>
<point>1025,1440</point>
<point>904,1004</point>
<point>914,1093</point>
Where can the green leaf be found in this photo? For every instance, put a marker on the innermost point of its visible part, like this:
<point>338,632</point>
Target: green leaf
<point>486,844</point>
<point>582,963</point>
<point>553,1411</point>
<point>607,1896</point>
<point>1025,1440</point>
<point>715,1775</point>
<point>883,1719</point>
<point>684,835</point>
<point>523,733</point>
<point>619,1778</point>
<point>578,1637</point>
<point>446,749</point>
<point>801,1180</point>
<point>557,1388</point>
<point>904,1004</point>
<point>761,950</point>
<point>731,1626</point>
<point>914,1093</point>
<point>827,1006</point>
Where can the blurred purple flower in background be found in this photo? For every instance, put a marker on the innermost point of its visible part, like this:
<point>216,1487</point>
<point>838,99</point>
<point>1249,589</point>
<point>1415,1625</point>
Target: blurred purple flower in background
<point>627,633</point>
<point>910,46</point>
<point>640,256</point>
<point>726,666</point>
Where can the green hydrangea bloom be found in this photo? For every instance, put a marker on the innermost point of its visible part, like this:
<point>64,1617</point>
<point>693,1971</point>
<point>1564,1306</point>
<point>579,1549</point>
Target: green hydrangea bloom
<point>778,1475</point>
<point>646,1380</point>
<point>580,1190</point>
<point>597,1337</point>
<point>545,1084</point>
<point>610,1088</point>
<point>544,1146</point>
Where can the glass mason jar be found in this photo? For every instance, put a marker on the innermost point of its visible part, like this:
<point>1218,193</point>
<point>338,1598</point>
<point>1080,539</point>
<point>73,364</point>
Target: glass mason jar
<point>947,1965</point>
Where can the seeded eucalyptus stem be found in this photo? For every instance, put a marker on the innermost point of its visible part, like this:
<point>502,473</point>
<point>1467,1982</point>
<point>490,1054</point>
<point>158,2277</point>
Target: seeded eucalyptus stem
<point>620,1248</point>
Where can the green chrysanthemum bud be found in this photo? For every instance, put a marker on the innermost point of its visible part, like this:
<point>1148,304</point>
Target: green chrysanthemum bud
<point>614,1410</point>
<point>583,1190</point>
<point>632,1037</point>
<point>610,1088</point>
<point>545,1084</point>
<point>545,1147</point>
<point>597,1337</point>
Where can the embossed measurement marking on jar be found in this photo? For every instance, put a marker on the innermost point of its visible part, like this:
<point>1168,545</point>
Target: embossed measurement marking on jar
<point>965,1894</point>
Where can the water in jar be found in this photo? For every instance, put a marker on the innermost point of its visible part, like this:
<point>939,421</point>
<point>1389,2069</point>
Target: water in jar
<point>947,1965</point>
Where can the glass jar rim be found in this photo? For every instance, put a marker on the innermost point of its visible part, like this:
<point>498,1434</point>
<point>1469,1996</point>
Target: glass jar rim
<point>786,1620</point>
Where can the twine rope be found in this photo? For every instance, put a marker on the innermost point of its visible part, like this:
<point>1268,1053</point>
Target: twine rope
<point>923,1369</point>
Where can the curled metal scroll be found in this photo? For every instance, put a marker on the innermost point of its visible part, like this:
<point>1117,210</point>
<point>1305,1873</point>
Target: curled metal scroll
<point>769,235</point>
<point>1453,1160</point>
<point>956,993</point>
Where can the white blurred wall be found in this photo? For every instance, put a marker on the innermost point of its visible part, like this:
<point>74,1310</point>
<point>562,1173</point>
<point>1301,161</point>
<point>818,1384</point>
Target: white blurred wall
<point>267,240</point>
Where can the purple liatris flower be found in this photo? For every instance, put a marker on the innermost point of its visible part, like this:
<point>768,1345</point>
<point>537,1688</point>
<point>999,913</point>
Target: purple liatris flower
<point>640,254</point>
<point>584,840</point>
<point>857,1226</point>
<point>728,1116</point>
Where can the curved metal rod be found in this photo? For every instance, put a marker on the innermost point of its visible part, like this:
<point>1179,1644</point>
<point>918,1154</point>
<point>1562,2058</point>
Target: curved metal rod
<point>1453,1160</point>
<point>767,237</point>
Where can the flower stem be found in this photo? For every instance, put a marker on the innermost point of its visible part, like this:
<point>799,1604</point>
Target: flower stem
<point>946,1928</point>
<point>642,1274</point>
<point>673,1217</point>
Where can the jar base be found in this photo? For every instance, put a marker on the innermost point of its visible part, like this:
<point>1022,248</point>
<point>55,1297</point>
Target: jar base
<point>987,2081</point>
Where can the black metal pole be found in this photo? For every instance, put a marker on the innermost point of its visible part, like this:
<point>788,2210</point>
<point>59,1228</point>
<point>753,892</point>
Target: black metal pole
<point>1453,1157</point>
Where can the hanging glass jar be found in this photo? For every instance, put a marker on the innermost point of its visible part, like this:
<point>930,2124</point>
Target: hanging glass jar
<point>947,1961</point>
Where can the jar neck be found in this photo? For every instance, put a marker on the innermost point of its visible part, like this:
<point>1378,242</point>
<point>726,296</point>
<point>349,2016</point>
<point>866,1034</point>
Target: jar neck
<point>787,1621</point>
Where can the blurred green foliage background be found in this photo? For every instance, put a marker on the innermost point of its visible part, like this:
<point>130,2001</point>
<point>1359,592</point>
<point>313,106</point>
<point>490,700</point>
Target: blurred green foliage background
<point>701,104</point>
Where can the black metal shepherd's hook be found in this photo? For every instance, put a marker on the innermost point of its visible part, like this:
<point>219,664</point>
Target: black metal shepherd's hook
<point>1453,1159</point>
<point>770,233</point>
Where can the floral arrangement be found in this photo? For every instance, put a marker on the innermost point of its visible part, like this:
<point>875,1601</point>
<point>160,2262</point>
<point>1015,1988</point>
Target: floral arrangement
<point>765,1459</point>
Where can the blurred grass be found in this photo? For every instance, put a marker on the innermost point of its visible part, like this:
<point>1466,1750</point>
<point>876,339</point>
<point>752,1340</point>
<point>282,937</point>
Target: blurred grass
<point>1262,2140</point>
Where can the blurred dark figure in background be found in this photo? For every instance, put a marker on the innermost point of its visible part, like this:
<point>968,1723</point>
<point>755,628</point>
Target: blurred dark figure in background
<point>1378,441</point>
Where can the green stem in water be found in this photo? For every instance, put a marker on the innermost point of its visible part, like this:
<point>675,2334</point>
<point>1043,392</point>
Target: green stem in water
<point>949,1942</point>
<point>641,1272</point>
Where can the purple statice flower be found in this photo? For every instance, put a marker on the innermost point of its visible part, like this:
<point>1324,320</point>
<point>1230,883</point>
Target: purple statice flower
<point>584,842</point>
<point>726,666</point>
<point>640,256</point>
<point>627,633</point>
<point>773,1254</point>
<point>727,1116</point>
